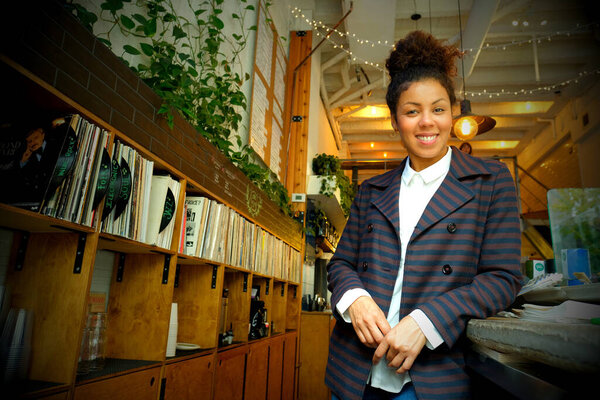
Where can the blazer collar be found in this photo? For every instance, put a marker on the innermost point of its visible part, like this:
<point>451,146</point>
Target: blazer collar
<point>451,195</point>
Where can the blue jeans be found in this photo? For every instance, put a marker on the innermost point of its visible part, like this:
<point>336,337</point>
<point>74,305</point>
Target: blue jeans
<point>371,393</point>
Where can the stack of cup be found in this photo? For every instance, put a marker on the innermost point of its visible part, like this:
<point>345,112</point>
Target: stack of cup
<point>172,339</point>
<point>91,354</point>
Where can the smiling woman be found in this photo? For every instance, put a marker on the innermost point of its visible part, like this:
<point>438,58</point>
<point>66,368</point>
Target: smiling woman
<point>419,255</point>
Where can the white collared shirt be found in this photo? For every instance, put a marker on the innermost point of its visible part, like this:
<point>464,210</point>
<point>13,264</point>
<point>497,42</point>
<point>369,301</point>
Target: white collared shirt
<point>416,191</point>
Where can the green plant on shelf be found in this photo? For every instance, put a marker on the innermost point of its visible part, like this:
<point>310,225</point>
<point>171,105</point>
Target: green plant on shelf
<point>330,168</point>
<point>184,61</point>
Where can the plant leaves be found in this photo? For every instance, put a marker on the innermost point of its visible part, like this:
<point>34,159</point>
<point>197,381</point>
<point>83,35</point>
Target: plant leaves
<point>178,33</point>
<point>127,22</point>
<point>131,50</point>
<point>150,27</point>
<point>147,49</point>
<point>139,18</point>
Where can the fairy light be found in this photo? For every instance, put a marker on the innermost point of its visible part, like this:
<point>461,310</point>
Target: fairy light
<point>318,25</point>
<point>488,46</point>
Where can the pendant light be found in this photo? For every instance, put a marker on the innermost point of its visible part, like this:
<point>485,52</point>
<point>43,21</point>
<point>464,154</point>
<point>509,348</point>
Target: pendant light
<point>467,125</point>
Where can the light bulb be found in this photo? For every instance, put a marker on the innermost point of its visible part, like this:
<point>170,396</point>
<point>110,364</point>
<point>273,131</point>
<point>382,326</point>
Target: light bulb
<point>465,128</point>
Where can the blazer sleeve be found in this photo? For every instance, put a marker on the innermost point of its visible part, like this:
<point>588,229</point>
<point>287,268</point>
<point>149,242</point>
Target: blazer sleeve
<point>498,277</point>
<point>341,269</point>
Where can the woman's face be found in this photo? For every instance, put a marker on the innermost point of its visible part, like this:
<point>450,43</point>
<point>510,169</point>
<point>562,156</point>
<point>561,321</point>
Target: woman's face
<point>424,120</point>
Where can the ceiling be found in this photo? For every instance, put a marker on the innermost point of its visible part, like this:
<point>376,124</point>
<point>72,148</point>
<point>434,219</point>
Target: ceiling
<point>525,60</point>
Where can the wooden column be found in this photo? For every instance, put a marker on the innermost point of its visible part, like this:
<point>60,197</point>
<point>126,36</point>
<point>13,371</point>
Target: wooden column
<point>298,99</point>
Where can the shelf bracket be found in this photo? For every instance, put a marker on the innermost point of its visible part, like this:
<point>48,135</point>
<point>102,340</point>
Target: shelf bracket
<point>213,283</point>
<point>79,255</point>
<point>21,251</point>
<point>120,267</point>
<point>165,277</point>
<point>267,288</point>
<point>245,287</point>
<point>176,283</point>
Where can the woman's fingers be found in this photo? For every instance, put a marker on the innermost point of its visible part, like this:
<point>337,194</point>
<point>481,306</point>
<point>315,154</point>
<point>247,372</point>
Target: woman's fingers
<point>368,321</point>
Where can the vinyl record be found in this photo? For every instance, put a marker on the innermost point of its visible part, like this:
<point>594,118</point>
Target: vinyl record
<point>114,187</point>
<point>125,191</point>
<point>65,162</point>
<point>169,210</point>
<point>103,178</point>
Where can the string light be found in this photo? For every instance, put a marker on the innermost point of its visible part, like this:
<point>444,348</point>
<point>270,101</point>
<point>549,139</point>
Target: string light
<point>485,46</point>
<point>318,25</point>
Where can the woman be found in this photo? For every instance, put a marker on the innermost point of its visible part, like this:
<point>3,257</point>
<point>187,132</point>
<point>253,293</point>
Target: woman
<point>427,246</point>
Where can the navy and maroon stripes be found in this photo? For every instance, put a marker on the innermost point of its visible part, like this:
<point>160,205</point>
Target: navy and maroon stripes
<point>462,262</point>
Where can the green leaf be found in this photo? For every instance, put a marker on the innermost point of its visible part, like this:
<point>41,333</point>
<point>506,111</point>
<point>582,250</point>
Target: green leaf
<point>217,22</point>
<point>147,49</point>
<point>105,41</point>
<point>127,22</point>
<point>150,28</point>
<point>252,28</point>
<point>131,50</point>
<point>178,33</point>
<point>139,18</point>
<point>250,7</point>
<point>169,18</point>
<point>235,16</point>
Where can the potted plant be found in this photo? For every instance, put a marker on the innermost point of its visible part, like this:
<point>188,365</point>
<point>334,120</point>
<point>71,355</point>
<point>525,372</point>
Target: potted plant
<point>331,180</point>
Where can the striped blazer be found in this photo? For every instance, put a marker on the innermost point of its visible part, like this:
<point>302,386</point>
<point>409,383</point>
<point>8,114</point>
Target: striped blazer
<point>462,262</point>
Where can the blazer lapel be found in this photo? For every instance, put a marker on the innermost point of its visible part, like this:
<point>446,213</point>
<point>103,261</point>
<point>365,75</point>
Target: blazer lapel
<point>452,193</point>
<point>387,202</point>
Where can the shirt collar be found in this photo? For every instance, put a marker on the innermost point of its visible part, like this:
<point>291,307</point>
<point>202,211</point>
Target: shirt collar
<point>430,173</point>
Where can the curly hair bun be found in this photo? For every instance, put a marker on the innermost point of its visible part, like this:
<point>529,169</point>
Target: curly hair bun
<point>421,50</point>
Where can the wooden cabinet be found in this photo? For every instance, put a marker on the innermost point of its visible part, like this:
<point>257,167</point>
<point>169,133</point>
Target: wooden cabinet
<point>289,367</point>
<point>141,385</point>
<point>189,379</point>
<point>257,365</point>
<point>275,368</point>
<point>54,264</point>
<point>314,350</point>
<point>230,369</point>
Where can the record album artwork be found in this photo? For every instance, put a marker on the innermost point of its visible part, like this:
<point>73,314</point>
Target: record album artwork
<point>125,189</point>
<point>114,187</point>
<point>104,175</point>
<point>169,210</point>
<point>36,156</point>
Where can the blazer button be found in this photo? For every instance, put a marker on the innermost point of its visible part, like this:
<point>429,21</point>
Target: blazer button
<point>370,227</point>
<point>451,227</point>
<point>365,265</point>
<point>447,269</point>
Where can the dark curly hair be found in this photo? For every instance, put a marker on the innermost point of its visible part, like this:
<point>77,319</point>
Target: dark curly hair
<point>416,57</point>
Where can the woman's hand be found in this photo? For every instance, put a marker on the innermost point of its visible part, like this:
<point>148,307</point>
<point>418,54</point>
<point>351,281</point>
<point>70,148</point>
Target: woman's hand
<point>368,321</point>
<point>401,345</point>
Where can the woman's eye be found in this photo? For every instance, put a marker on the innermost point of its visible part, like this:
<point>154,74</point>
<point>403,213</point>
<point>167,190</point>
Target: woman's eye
<point>409,112</point>
<point>438,110</point>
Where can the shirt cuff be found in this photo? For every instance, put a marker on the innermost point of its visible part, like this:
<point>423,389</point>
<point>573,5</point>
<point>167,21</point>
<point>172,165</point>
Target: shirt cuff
<point>346,301</point>
<point>434,339</point>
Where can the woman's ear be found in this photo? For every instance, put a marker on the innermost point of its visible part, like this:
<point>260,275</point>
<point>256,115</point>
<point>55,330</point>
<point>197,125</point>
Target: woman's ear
<point>394,124</point>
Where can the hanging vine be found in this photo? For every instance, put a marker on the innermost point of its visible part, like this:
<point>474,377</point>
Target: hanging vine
<point>195,68</point>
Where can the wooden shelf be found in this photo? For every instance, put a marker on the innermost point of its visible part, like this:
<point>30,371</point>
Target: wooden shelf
<point>115,367</point>
<point>24,220</point>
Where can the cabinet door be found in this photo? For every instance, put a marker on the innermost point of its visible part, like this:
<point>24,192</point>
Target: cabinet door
<point>275,368</point>
<point>256,371</point>
<point>229,374</point>
<point>190,379</point>
<point>289,367</point>
<point>141,385</point>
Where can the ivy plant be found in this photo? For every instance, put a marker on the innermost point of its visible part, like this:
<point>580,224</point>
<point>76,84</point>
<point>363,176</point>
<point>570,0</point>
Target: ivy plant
<point>195,68</point>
